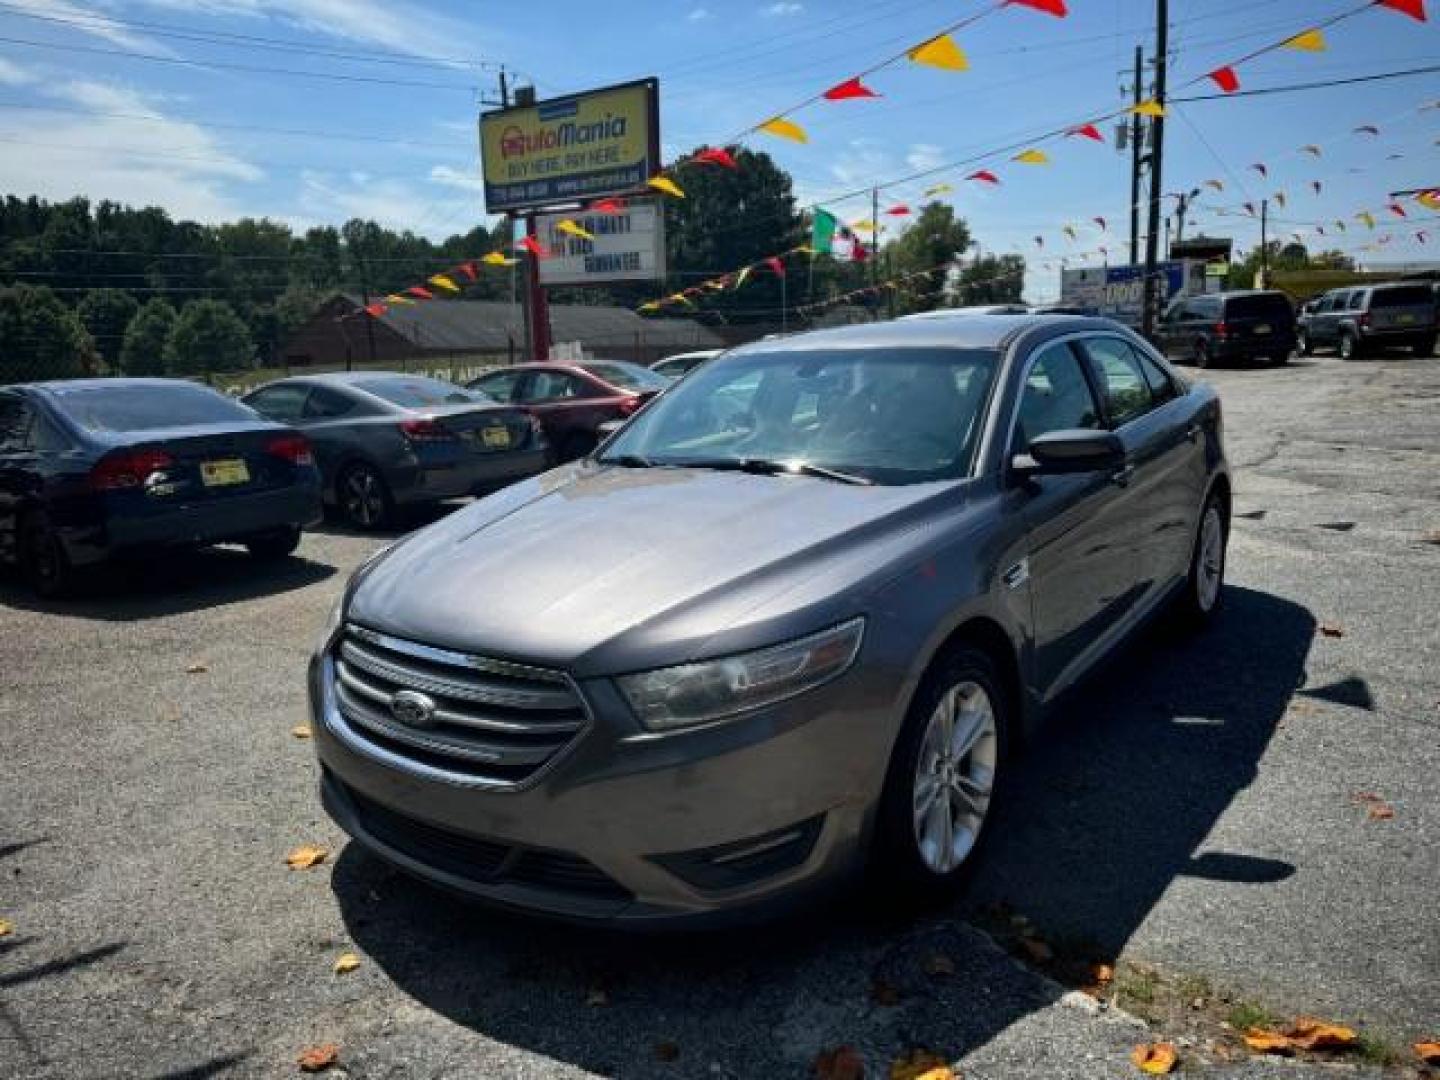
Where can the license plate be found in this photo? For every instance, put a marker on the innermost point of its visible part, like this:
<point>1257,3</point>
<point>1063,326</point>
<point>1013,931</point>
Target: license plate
<point>224,472</point>
<point>1407,318</point>
<point>1263,328</point>
<point>496,438</point>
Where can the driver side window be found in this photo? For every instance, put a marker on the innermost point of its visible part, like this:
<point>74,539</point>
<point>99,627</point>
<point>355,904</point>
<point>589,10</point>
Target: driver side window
<point>1056,397</point>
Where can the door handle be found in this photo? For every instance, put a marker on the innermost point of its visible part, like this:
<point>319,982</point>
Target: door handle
<point>1121,477</point>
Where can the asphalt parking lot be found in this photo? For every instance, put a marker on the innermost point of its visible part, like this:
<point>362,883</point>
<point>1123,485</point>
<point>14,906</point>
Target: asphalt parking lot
<point>1194,812</point>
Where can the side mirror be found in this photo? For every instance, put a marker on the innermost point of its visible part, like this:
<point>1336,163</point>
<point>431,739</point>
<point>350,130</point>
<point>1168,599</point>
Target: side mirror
<point>1078,450</point>
<point>607,428</point>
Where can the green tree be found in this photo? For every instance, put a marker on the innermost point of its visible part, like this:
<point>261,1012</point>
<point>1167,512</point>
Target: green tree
<point>934,240</point>
<point>989,279</point>
<point>40,338</point>
<point>208,336</point>
<point>105,313</point>
<point>143,351</point>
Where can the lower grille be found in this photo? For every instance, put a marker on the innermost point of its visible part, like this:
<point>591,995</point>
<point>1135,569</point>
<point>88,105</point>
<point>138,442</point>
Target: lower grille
<point>485,862</point>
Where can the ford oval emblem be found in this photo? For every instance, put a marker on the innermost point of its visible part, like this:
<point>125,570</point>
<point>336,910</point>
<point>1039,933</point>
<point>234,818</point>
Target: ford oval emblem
<point>413,709</point>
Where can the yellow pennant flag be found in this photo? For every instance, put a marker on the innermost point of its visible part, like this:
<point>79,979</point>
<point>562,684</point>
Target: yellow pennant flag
<point>651,305</point>
<point>864,226</point>
<point>1308,41</point>
<point>1429,199</point>
<point>940,52</point>
<point>938,189</point>
<point>785,129</point>
<point>396,298</point>
<point>497,259</point>
<point>665,184</point>
<point>679,298</point>
<point>741,276</point>
<point>1367,217</point>
<point>1218,185</point>
<point>1149,108</point>
<point>1032,157</point>
<point>571,229</point>
<point>444,283</point>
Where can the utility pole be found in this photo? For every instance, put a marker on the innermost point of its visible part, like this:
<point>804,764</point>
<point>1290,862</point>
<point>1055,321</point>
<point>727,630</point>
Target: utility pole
<point>1157,157</point>
<point>369,319</point>
<point>1136,151</point>
<point>1264,282</point>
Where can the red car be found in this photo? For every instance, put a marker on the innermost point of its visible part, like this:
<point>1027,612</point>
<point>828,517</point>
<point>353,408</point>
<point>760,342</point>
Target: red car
<point>573,400</point>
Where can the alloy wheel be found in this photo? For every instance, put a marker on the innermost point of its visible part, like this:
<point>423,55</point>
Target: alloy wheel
<point>363,497</point>
<point>954,776</point>
<point>1210,560</point>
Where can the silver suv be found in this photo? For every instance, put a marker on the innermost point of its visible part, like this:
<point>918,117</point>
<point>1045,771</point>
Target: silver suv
<point>792,620</point>
<point>1362,319</point>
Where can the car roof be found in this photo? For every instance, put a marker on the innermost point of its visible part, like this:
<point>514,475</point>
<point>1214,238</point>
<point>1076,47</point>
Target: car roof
<point>60,386</point>
<point>968,332</point>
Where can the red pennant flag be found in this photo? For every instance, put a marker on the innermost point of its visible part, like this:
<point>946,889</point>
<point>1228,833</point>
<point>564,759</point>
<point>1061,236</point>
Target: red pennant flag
<point>716,156</point>
<point>1099,221</point>
<point>376,309</point>
<point>776,265</point>
<point>468,269</point>
<point>1420,235</point>
<point>1225,78</point>
<point>1050,7</point>
<point>1039,241</point>
<point>899,210</point>
<point>608,206</point>
<point>985,176</point>
<point>850,88</point>
<point>533,246</point>
<point>1261,169</point>
<point>1250,209</point>
<point>859,253</point>
<point>1320,229</point>
<point>420,291</point>
<point>1367,129</point>
<point>1089,131</point>
<point>1398,210</point>
<point>1414,8</point>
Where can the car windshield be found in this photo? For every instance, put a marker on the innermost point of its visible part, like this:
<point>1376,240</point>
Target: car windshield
<point>149,407</point>
<point>888,416</point>
<point>1257,307</point>
<point>1402,296</point>
<point>420,392</point>
<point>628,376</point>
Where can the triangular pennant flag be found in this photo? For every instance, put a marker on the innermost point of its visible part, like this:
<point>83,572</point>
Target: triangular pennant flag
<point>665,184</point>
<point>1031,157</point>
<point>1250,209</point>
<point>784,129</point>
<point>1315,184</point>
<point>1149,108</point>
<point>899,210</point>
<point>1087,131</point>
<point>1068,230</point>
<point>396,298</point>
<point>608,206</point>
<point>715,156</point>
<point>420,291</point>
<point>1340,225</point>
<point>1308,41</point>
<point>495,258</point>
<point>1414,8</point>
<point>533,246</point>
<point>1367,217</point>
<point>1366,129</point>
<point>850,88</point>
<point>649,306</point>
<point>1280,199</point>
<point>1261,169</point>
<point>1311,149</point>
<point>1420,235</point>
<point>1396,209</point>
<point>985,176</point>
<point>375,310</point>
<point>679,298</point>
<point>863,226</point>
<point>1225,78</point>
<point>823,226</point>
<point>1320,230</point>
<point>940,52</point>
<point>1050,7</point>
<point>1218,185</point>
<point>1039,241</point>
<point>468,269</point>
<point>570,228</point>
<point>742,276</point>
<point>1099,221</point>
<point>938,189</point>
<point>775,264</point>
<point>1429,199</point>
<point>444,283</point>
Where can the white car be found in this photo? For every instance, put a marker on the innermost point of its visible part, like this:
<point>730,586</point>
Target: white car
<point>956,312</point>
<point>681,363</point>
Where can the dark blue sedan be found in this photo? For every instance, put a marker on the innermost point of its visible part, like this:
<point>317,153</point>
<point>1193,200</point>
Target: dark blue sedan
<point>94,468</point>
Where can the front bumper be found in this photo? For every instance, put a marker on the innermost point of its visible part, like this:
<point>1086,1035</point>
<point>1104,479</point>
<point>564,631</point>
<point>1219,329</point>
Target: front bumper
<point>706,825</point>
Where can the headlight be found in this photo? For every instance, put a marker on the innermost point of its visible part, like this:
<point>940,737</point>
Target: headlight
<point>695,693</point>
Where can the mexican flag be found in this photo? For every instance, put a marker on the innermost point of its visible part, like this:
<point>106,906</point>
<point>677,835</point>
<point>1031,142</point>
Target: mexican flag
<point>830,236</point>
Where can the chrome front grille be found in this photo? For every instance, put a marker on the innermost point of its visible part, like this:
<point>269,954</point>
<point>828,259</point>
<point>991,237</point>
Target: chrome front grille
<point>466,719</point>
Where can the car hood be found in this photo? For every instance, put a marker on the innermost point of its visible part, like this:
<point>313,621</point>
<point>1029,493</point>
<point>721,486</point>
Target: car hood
<point>596,568</point>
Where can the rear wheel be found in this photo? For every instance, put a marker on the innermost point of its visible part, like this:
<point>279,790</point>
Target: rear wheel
<point>275,545</point>
<point>943,776</point>
<point>363,496</point>
<point>1425,346</point>
<point>1302,344</point>
<point>1202,354</point>
<point>1204,589</point>
<point>43,561</point>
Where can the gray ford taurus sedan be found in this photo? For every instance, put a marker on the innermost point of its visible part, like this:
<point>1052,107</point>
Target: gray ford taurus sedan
<point>793,619</point>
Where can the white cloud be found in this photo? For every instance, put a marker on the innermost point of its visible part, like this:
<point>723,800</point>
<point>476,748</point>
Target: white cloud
<point>784,7</point>
<point>448,176</point>
<point>12,74</point>
<point>698,15</point>
<point>396,204</point>
<point>862,162</point>
<point>925,156</point>
<point>88,22</point>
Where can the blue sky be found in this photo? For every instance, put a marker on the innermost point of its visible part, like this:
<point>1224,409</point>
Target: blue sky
<point>159,101</point>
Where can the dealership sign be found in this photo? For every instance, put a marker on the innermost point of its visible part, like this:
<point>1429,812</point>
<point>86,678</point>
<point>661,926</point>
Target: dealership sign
<point>601,142</point>
<point>628,245</point>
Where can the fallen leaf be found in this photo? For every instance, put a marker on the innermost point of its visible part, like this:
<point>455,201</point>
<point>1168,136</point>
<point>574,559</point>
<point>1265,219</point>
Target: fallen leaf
<point>883,992</point>
<point>1102,973</point>
<point>301,731</point>
<point>1428,1051</point>
<point>318,1058</point>
<point>921,1065</point>
<point>666,1051</point>
<point>842,1063</point>
<point>1037,950</point>
<point>597,998</point>
<point>346,962</point>
<point>1366,796</point>
<point>307,855</point>
<point>6,928</point>
<point>1432,537</point>
<point>1380,811</point>
<point>1155,1058</point>
<point>938,965</point>
<point>1309,1033</point>
<point>1330,629</point>
<point>197,668</point>
<point>1265,1041</point>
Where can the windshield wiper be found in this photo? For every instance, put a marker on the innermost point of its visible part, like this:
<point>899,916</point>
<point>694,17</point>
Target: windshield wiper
<point>767,467</point>
<point>629,461</point>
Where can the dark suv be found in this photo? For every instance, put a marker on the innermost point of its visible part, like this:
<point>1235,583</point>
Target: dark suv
<point>1359,320</point>
<point>1234,326</point>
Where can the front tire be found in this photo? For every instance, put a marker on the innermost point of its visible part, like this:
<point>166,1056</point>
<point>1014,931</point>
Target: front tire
<point>943,778</point>
<point>43,561</point>
<point>1205,585</point>
<point>1302,344</point>
<point>1349,347</point>
<point>274,546</point>
<point>364,497</point>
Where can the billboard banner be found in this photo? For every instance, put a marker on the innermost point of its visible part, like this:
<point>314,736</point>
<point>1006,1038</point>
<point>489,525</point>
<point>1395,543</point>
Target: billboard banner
<point>600,142</point>
<point>1118,292</point>
<point>629,245</point>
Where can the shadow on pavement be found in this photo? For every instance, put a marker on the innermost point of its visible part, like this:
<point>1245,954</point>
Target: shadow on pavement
<point>1112,804</point>
<point>171,584</point>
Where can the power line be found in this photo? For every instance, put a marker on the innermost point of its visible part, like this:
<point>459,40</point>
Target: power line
<point>1319,85</point>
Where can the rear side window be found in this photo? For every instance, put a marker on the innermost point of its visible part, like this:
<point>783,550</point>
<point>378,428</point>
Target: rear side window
<point>284,403</point>
<point>327,404</point>
<point>1056,397</point>
<point>1121,379</point>
<point>149,407</point>
<point>1357,299</point>
<point>14,425</point>
<point>554,386</point>
<point>628,376</point>
<point>1403,296</point>
<point>418,392</point>
<point>500,386</point>
<point>1258,307</point>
